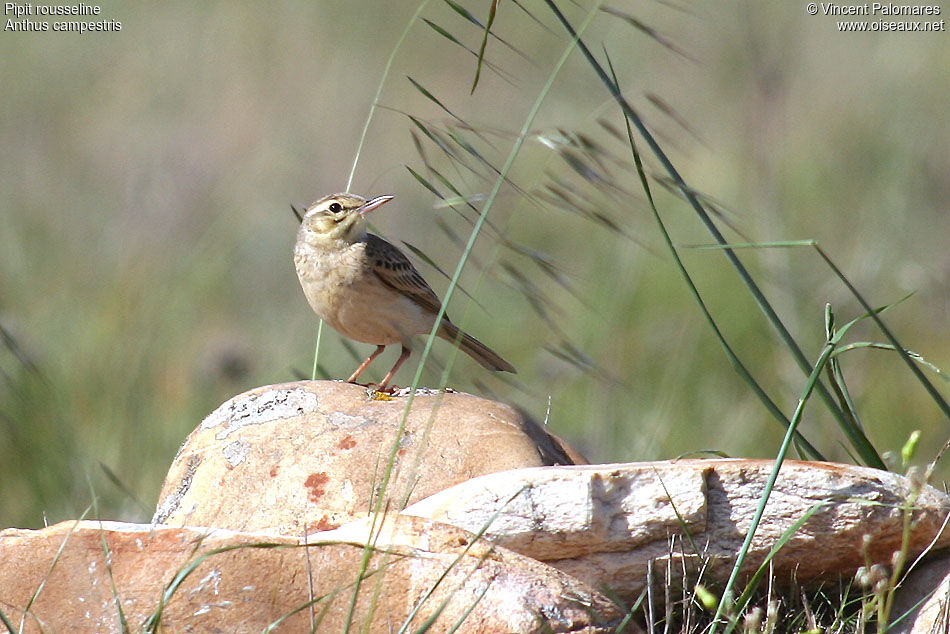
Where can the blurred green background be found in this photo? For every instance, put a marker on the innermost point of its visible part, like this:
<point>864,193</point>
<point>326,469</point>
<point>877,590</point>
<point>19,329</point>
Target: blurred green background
<point>145,230</point>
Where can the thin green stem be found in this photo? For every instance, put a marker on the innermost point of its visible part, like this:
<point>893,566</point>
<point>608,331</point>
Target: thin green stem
<point>770,484</point>
<point>502,178</point>
<point>316,350</point>
<point>379,90</point>
<point>453,283</point>
<point>349,183</point>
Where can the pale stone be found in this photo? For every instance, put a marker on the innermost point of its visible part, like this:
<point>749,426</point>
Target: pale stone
<point>91,576</point>
<point>305,456</point>
<point>607,524</point>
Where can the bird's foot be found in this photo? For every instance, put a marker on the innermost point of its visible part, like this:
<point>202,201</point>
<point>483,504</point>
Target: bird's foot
<point>378,392</point>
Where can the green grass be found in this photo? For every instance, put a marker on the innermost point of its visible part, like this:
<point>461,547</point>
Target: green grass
<point>145,270</point>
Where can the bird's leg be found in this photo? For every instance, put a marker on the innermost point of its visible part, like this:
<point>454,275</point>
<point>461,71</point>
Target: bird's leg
<point>365,364</point>
<point>399,362</point>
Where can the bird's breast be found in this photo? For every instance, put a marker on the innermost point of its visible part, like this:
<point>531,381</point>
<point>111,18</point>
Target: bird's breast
<point>345,292</point>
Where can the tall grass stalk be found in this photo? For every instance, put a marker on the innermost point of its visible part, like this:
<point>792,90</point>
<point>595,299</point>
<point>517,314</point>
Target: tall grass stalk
<point>379,90</point>
<point>362,141</point>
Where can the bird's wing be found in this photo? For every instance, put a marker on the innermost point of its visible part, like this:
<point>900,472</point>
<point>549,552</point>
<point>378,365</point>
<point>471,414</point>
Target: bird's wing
<point>396,271</point>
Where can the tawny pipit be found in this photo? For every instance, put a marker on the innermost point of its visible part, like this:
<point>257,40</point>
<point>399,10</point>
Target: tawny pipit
<point>366,288</point>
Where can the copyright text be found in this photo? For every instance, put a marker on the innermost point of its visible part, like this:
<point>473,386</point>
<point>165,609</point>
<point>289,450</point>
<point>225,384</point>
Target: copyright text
<point>881,14</point>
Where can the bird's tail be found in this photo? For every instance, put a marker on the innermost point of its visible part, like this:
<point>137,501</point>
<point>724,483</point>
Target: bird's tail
<point>474,348</point>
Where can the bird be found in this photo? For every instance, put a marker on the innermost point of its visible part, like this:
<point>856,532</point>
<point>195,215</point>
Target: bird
<point>366,288</point>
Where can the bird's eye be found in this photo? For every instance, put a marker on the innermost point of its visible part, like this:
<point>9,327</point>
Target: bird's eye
<point>336,208</point>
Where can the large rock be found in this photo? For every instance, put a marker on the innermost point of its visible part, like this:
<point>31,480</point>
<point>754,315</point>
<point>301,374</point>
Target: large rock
<point>299,457</point>
<point>109,577</point>
<point>305,462</point>
<point>607,524</point>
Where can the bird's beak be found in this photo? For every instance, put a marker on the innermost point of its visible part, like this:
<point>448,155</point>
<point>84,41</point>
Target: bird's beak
<point>370,205</point>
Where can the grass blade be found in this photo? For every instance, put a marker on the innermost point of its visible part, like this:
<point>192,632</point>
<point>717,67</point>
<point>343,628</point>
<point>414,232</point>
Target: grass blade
<point>492,10</point>
<point>428,95</point>
<point>786,535</point>
<point>465,13</point>
<point>6,623</point>
<point>444,33</point>
<point>916,356</point>
<point>647,30</point>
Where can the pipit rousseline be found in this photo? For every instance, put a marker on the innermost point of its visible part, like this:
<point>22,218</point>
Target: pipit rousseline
<point>366,288</point>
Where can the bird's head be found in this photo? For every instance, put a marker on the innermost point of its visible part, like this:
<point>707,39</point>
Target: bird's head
<point>338,218</point>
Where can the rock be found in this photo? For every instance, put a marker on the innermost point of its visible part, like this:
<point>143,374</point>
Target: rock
<point>606,524</point>
<point>112,577</point>
<point>287,475</point>
<point>925,596</point>
<point>299,457</point>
